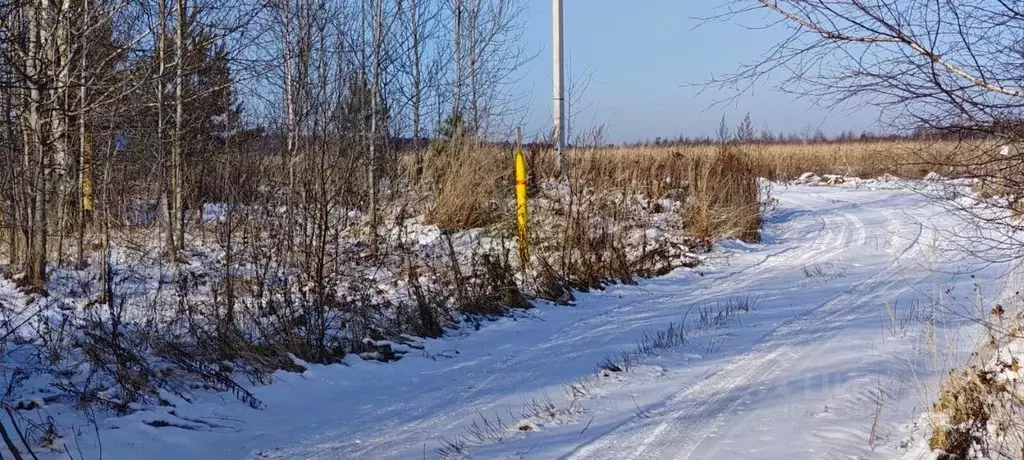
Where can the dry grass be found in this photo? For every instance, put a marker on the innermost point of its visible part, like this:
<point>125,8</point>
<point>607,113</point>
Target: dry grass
<point>471,182</point>
<point>980,409</point>
<point>470,185</point>
<point>963,405</point>
<point>724,196</point>
<point>662,168</point>
<point>585,226</point>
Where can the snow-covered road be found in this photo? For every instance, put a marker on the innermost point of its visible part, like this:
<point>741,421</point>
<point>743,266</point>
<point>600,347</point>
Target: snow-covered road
<point>859,306</point>
<point>836,316</point>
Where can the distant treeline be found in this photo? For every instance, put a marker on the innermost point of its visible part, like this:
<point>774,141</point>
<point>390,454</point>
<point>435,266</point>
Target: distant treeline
<point>818,137</point>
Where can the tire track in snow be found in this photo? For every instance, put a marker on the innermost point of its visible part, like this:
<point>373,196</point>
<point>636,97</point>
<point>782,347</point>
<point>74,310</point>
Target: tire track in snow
<point>827,245</point>
<point>675,429</point>
<point>832,238</point>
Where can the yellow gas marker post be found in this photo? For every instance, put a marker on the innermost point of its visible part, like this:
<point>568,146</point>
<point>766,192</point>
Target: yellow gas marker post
<point>521,214</point>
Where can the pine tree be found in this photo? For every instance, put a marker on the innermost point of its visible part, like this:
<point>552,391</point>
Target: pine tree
<point>745,132</point>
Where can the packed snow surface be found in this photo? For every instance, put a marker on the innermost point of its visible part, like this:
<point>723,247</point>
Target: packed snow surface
<point>861,297</point>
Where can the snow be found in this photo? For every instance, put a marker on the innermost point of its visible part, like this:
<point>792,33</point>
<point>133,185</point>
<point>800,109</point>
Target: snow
<point>861,298</point>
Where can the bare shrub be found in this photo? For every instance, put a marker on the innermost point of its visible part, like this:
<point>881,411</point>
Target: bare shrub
<point>494,283</point>
<point>594,233</point>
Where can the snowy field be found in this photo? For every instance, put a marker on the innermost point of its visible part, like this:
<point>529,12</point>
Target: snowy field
<point>826,341</point>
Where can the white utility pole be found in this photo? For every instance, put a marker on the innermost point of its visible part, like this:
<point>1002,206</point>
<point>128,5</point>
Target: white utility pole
<point>559,81</point>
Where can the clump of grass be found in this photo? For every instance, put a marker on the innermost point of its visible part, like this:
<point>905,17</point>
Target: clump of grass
<point>535,413</point>
<point>964,411</point>
<point>724,197</point>
<point>980,409</point>
<point>471,184</point>
<point>718,316</point>
<point>654,341</point>
<point>827,270</point>
<point>677,334</point>
<point>484,430</point>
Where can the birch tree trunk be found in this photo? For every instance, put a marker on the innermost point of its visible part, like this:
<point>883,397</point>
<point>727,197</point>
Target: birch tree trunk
<point>417,85</point>
<point>457,101</point>
<point>85,183</point>
<point>474,70</point>
<point>59,104</point>
<point>178,216</point>
<point>167,207</point>
<point>378,32</point>
<point>35,158</point>
<point>291,125</point>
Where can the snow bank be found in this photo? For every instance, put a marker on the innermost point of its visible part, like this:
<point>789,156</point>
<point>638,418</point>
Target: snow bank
<point>883,182</point>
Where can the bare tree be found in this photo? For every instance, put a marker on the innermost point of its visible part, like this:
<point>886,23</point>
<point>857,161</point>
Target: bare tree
<point>576,87</point>
<point>419,61</point>
<point>457,82</point>
<point>37,51</point>
<point>924,63</point>
<point>947,67</point>
<point>492,53</point>
<point>177,144</point>
<point>154,98</point>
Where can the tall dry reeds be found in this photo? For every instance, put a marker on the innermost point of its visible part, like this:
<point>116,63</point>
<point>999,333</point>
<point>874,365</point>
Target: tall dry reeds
<point>659,167</point>
<point>469,182</point>
<point>723,197</point>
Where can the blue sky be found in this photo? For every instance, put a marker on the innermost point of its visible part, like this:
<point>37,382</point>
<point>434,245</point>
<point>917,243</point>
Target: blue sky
<point>642,53</point>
